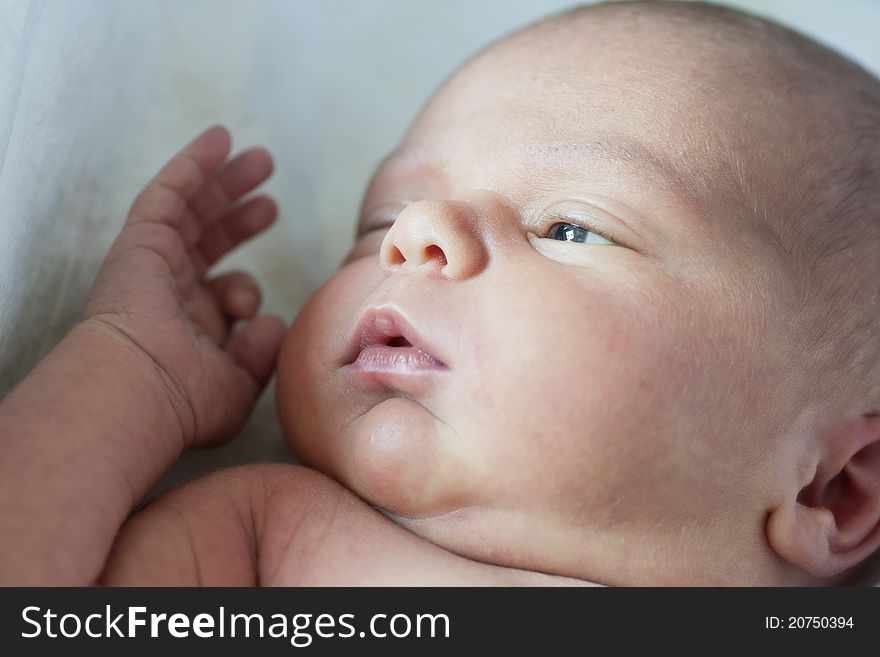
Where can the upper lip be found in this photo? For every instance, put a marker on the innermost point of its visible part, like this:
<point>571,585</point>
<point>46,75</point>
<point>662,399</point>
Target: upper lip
<point>381,325</point>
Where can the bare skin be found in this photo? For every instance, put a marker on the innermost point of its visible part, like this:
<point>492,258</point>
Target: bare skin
<point>283,525</point>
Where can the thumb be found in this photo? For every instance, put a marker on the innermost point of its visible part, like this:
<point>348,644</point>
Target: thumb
<point>254,347</point>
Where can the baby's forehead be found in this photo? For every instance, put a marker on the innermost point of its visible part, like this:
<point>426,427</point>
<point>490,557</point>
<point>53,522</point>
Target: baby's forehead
<point>730,107</point>
<point>705,65</point>
<point>498,131</point>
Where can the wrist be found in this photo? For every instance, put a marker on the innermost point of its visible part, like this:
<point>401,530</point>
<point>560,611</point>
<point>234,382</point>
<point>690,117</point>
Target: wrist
<point>168,403</point>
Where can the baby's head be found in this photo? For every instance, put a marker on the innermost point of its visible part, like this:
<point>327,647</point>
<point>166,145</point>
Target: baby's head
<point>623,326</point>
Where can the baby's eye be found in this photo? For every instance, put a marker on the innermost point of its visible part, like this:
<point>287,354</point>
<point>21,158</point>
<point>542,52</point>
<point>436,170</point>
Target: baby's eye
<point>375,229</point>
<point>380,220</point>
<point>566,232</point>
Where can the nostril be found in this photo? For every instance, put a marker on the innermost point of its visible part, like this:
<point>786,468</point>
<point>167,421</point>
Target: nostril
<point>433,252</point>
<point>395,256</point>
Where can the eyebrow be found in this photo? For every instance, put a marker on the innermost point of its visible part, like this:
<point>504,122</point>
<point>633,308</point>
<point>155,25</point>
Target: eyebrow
<point>627,152</point>
<point>572,154</point>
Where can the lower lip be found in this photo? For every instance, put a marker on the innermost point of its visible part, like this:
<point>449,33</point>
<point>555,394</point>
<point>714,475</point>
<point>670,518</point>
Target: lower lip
<point>382,359</point>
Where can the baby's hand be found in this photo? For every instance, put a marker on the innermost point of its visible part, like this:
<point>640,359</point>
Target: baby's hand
<point>153,293</point>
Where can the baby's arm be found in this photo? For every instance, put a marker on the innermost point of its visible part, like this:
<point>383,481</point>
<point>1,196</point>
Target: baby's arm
<point>151,369</point>
<point>270,524</point>
<point>207,532</point>
<point>81,440</point>
<point>241,526</point>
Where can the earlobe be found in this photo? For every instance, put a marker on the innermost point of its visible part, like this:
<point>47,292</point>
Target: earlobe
<point>802,536</point>
<point>833,523</point>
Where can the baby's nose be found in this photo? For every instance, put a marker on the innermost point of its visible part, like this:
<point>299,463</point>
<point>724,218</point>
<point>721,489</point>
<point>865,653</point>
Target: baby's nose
<point>445,233</point>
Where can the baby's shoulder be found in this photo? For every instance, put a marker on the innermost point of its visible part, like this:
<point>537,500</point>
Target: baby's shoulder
<point>316,532</point>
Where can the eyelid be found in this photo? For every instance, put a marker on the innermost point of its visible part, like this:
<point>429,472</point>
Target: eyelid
<point>380,217</point>
<point>576,214</point>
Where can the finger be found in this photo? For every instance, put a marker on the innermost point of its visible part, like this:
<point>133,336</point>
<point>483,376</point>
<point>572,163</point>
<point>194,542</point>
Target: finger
<point>237,177</point>
<point>245,172</point>
<point>245,221</point>
<point>165,198</point>
<point>255,346</point>
<point>237,293</point>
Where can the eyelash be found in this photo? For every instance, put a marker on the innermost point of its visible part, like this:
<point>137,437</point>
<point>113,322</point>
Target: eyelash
<point>383,224</point>
<point>372,229</point>
<point>561,219</point>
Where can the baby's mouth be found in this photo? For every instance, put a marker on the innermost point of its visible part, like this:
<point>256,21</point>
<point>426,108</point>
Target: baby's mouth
<point>397,356</point>
<point>385,343</point>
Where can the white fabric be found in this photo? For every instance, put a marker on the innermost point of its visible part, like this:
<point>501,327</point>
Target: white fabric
<point>96,95</point>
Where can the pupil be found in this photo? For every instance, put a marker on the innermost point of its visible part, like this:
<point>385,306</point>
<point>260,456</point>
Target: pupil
<point>567,233</point>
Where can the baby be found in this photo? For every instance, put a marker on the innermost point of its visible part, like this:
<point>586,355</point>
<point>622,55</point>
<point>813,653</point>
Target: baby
<point>610,317</point>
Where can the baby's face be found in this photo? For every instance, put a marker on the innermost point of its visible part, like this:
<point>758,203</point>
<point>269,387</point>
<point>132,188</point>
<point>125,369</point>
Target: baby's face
<point>545,349</point>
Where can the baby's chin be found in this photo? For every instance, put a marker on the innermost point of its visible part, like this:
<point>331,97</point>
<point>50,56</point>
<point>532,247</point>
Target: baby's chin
<point>401,458</point>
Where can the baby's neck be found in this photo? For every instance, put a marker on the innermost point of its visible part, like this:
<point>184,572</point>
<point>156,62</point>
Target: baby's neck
<point>476,566</point>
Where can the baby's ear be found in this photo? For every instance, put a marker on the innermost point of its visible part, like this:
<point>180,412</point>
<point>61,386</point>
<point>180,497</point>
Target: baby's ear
<point>834,522</point>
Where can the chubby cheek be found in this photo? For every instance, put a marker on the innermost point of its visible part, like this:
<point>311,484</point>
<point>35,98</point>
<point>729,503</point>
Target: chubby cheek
<point>576,392</point>
<point>309,386</point>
